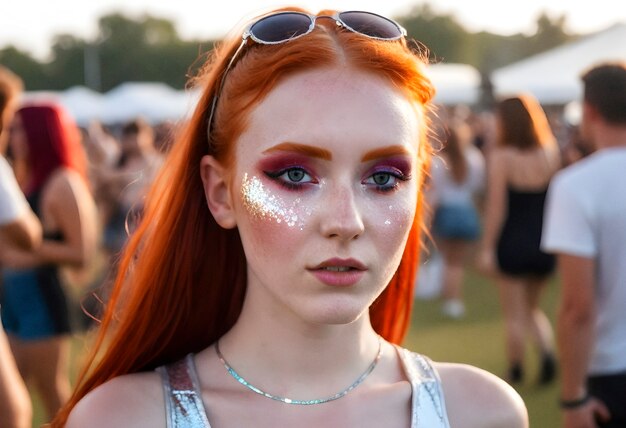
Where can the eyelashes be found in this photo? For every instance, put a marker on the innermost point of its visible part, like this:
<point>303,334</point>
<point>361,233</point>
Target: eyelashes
<point>380,179</point>
<point>386,180</point>
<point>292,178</point>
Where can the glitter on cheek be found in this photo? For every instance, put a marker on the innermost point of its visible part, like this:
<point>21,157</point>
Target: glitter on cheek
<point>387,221</point>
<point>396,217</point>
<point>260,203</point>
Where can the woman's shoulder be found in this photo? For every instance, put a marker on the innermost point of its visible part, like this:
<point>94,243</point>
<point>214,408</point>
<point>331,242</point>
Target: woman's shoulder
<point>133,400</point>
<point>467,389</point>
<point>64,178</point>
<point>65,186</point>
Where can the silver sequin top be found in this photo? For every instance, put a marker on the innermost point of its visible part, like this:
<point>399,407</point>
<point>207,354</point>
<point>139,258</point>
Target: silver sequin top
<point>184,407</point>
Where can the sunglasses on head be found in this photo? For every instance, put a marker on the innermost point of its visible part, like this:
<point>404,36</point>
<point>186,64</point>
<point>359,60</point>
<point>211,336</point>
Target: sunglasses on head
<point>282,27</point>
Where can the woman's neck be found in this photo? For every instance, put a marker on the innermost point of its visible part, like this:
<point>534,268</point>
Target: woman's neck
<point>290,360</point>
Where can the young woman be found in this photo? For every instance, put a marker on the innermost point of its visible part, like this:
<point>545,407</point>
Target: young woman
<point>50,167</point>
<point>458,176</point>
<point>520,167</point>
<point>272,274</point>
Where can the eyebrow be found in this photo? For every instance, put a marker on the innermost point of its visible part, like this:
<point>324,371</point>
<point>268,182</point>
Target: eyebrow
<point>385,152</point>
<point>304,149</point>
<point>324,154</point>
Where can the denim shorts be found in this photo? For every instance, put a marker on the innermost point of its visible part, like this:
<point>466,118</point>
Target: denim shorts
<point>456,222</point>
<point>34,304</point>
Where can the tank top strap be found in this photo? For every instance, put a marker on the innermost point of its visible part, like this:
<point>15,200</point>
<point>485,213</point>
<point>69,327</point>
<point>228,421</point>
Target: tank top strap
<point>428,408</point>
<point>183,400</point>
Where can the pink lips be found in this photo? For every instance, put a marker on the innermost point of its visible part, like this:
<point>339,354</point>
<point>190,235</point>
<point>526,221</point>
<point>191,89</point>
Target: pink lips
<point>339,272</point>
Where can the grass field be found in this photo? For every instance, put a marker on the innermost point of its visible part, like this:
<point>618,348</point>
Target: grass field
<point>477,340</point>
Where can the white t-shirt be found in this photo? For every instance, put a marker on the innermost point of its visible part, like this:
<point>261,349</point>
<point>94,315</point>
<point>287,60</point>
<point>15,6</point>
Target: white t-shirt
<point>586,216</point>
<point>12,201</point>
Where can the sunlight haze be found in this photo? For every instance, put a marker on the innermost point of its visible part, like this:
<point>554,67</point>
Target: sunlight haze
<point>31,25</point>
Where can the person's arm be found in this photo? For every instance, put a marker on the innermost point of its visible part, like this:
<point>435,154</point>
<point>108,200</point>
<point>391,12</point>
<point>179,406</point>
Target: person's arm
<point>69,204</point>
<point>495,209</point>
<point>18,224</point>
<point>575,324</point>
<point>24,232</point>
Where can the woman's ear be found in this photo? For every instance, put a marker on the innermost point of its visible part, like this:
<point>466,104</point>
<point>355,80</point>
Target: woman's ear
<point>217,192</point>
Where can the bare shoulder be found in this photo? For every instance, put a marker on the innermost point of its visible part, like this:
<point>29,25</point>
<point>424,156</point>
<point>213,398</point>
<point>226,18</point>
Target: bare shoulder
<point>133,401</point>
<point>499,158</point>
<point>66,182</point>
<point>477,398</point>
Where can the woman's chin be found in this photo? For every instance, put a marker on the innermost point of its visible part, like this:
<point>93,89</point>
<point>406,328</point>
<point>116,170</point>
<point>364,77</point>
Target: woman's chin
<point>337,312</point>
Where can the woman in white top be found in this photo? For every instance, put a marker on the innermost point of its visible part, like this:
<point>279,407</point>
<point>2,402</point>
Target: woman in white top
<point>18,226</point>
<point>279,246</point>
<point>458,176</point>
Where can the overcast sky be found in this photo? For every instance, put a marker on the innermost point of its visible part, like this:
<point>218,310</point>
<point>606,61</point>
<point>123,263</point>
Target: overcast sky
<point>31,24</point>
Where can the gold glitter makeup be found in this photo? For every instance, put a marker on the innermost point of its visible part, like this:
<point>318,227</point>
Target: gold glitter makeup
<point>262,204</point>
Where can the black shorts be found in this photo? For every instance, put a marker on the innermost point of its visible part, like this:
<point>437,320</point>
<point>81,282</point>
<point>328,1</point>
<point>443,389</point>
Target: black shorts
<point>611,390</point>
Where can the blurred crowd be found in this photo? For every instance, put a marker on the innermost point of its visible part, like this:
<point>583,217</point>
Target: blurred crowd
<point>486,199</point>
<point>76,194</point>
<point>488,184</point>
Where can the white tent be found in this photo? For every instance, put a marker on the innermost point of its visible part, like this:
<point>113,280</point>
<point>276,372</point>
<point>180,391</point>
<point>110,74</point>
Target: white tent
<point>554,76</point>
<point>82,103</point>
<point>455,83</point>
<point>155,102</point>
<point>158,102</point>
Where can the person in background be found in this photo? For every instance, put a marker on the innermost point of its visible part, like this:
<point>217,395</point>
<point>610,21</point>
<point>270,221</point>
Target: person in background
<point>124,184</point>
<point>585,226</point>
<point>576,147</point>
<point>457,177</point>
<point>51,167</point>
<point>18,226</point>
<point>520,167</point>
<point>271,277</point>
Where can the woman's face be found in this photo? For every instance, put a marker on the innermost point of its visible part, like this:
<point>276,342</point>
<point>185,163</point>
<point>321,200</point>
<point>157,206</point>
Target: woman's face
<point>324,188</point>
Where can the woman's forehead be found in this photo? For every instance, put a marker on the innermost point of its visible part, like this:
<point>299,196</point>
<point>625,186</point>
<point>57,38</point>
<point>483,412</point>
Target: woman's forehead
<point>330,104</point>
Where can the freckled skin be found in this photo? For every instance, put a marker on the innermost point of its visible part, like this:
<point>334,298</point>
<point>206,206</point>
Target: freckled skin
<point>261,203</point>
<point>340,213</point>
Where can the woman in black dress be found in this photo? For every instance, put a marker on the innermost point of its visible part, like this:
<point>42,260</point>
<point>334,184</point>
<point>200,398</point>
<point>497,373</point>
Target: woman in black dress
<point>520,167</point>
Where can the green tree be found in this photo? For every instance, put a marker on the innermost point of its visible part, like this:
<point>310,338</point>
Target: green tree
<point>25,66</point>
<point>445,38</point>
<point>145,50</point>
<point>450,42</point>
<point>67,67</point>
<point>550,33</point>
<point>150,49</point>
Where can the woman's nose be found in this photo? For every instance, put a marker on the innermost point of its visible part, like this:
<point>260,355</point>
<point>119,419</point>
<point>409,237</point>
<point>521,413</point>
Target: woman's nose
<point>341,217</point>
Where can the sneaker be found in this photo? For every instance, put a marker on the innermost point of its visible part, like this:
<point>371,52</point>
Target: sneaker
<point>454,309</point>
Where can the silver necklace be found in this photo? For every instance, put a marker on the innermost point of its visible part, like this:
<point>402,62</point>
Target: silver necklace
<point>286,400</point>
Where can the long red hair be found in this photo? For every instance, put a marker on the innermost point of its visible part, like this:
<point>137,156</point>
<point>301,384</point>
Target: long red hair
<point>53,140</point>
<point>182,278</point>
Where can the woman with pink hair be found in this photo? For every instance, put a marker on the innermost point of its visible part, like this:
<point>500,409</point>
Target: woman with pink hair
<point>50,166</point>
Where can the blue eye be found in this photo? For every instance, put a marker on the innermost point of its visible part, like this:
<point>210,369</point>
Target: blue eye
<point>291,178</point>
<point>296,175</point>
<point>381,178</point>
<point>385,181</point>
